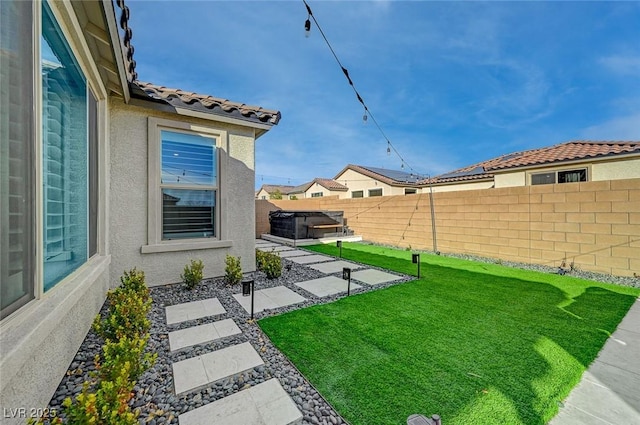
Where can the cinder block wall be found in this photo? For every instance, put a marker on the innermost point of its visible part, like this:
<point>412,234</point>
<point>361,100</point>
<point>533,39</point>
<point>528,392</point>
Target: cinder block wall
<point>596,225</point>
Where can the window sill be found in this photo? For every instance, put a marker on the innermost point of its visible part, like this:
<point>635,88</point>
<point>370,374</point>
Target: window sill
<point>174,246</point>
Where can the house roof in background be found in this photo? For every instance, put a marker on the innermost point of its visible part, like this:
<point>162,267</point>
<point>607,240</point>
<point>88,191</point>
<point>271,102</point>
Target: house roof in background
<point>563,152</point>
<point>328,184</point>
<point>390,177</point>
<point>270,188</point>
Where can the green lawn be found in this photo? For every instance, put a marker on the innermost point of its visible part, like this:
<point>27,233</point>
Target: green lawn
<point>476,343</point>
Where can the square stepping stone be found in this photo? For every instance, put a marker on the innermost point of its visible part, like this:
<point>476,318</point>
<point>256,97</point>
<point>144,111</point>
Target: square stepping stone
<point>334,266</point>
<point>293,253</point>
<point>374,277</point>
<point>264,404</point>
<point>309,259</point>
<point>276,248</point>
<point>269,298</point>
<point>326,286</point>
<point>266,246</point>
<point>193,310</point>
<point>198,371</point>
<point>202,333</point>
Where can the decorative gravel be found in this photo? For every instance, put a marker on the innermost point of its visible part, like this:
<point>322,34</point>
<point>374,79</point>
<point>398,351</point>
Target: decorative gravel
<point>154,396</point>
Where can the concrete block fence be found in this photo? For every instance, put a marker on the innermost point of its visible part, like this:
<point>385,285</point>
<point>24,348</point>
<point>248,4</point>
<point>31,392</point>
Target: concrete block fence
<point>595,225</point>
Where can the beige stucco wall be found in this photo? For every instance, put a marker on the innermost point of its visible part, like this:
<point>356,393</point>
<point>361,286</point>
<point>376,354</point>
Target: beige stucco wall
<point>356,181</point>
<point>518,178</point>
<point>316,187</point>
<point>596,225</point>
<point>262,193</point>
<point>460,186</point>
<point>616,170</point>
<point>129,191</point>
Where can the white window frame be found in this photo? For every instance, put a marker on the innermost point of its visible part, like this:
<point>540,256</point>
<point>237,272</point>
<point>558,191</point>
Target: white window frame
<point>155,243</point>
<point>317,194</point>
<point>361,192</point>
<point>375,189</point>
<point>586,169</point>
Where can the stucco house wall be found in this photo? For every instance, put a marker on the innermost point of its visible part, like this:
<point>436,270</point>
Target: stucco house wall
<point>461,186</point>
<point>356,181</point>
<point>129,194</point>
<point>616,170</point>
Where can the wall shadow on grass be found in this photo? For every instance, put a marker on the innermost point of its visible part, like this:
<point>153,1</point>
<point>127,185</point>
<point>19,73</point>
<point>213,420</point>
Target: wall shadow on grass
<point>455,342</point>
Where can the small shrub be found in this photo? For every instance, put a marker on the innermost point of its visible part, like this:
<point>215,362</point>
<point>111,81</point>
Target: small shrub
<point>232,270</point>
<point>129,305</point>
<point>261,258</point>
<point>272,265</point>
<point>192,274</point>
<point>126,353</point>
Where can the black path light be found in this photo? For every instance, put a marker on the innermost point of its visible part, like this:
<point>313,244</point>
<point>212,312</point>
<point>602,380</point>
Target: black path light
<point>415,259</point>
<point>339,245</point>
<point>346,275</point>
<point>248,288</point>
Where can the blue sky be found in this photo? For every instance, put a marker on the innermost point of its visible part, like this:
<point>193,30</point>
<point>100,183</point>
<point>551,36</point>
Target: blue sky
<point>450,83</point>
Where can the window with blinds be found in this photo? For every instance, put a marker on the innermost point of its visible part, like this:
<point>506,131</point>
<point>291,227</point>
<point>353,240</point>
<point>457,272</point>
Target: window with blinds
<point>65,104</point>
<point>17,213</point>
<point>188,185</point>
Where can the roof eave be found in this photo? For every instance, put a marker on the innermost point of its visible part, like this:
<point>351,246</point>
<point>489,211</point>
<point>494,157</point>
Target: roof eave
<point>600,158</point>
<point>112,26</point>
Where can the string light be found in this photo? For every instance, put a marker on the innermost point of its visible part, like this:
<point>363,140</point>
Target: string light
<point>307,26</point>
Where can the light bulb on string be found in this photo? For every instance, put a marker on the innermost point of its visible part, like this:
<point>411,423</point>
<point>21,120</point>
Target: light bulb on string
<point>402,165</point>
<point>307,28</point>
<point>388,149</point>
<point>365,117</point>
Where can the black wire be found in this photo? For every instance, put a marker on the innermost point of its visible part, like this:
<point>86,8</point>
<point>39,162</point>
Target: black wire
<point>350,81</point>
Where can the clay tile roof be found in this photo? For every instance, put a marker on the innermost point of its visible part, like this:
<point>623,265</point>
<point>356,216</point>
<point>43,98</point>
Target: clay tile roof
<point>181,98</point>
<point>330,184</point>
<point>390,177</point>
<point>270,188</point>
<point>204,103</point>
<point>563,152</point>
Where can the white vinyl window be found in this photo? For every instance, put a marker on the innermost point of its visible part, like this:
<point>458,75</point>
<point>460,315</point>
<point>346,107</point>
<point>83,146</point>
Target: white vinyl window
<point>375,192</point>
<point>564,176</point>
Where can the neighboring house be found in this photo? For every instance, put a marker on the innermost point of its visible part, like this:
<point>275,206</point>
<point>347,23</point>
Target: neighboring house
<point>317,188</point>
<point>97,172</point>
<point>267,190</point>
<point>363,182</point>
<point>574,161</point>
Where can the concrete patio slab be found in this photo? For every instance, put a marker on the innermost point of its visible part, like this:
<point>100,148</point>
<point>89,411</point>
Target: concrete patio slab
<point>197,371</point>
<point>268,298</point>
<point>193,310</point>
<point>202,333</point>
<point>264,404</point>
<point>294,253</point>
<point>334,266</point>
<point>608,392</point>
<point>326,286</point>
<point>267,246</point>
<point>274,248</point>
<point>308,259</point>
<point>374,277</point>
<point>622,350</point>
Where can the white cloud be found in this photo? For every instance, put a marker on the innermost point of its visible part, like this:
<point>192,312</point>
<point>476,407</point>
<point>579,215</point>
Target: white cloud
<point>622,65</point>
<point>619,128</point>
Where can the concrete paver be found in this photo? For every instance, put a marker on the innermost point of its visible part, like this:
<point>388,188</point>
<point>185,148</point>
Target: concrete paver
<point>197,371</point>
<point>334,266</point>
<point>202,333</point>
<point>276,248</point>
<point>293,253</point>
<point>269,298</point>
<point>609,392</point>
<point>193,310</point>
<point>308,259</point>
<point>264,404</point>
<point>374,277</point>
<point>326,286</point>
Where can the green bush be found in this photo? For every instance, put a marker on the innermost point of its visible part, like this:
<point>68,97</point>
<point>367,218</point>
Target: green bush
<point>261,258</point>
<point>192,274</point>
<point>129,305</point>
<point>272,265</point>
<point>125,329</point>
<point>232,270</point>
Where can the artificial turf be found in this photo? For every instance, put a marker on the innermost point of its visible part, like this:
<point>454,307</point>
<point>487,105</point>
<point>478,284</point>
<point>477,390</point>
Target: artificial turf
<point>476,343</point>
